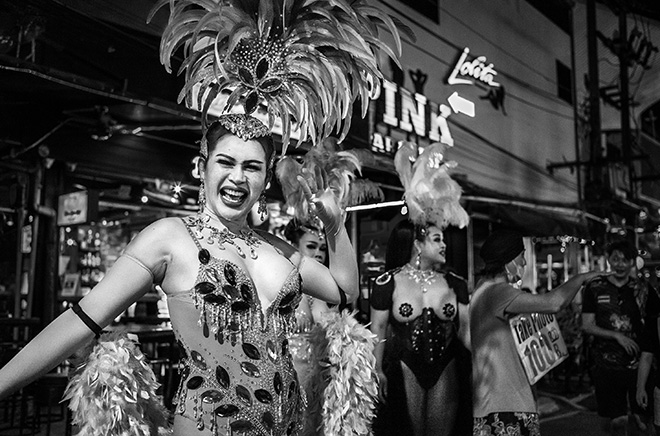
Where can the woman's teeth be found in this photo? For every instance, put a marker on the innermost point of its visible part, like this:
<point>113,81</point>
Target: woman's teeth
<point>233,195</point>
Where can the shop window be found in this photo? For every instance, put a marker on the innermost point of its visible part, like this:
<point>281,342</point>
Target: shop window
<point>564,83</point>
<point>428,8</point>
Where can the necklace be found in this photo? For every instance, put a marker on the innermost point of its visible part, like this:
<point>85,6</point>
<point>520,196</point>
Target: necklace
<point>421,277</point>
<point>201,222</point>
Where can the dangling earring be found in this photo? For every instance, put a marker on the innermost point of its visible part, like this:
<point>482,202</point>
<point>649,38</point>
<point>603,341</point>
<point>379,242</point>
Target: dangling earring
<point>201,200</point>
<point>418,260</point>
<point>263,208</point>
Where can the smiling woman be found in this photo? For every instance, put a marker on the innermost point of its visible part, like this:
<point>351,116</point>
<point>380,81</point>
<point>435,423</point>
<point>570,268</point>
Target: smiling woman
<point>231,291</point>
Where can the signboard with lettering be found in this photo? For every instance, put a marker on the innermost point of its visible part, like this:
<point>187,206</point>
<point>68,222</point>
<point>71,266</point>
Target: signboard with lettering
<point>76,208</point>
<point>540,344</point>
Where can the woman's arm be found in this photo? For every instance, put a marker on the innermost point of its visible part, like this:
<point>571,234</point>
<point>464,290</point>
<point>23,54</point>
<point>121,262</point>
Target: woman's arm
<point>125,283</point>
<point>553,301</point>
<point>379,319</point>
<point>464,325</point>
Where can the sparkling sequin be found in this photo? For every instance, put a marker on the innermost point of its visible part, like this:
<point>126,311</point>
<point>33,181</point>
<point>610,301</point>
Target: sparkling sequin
<point>230,274</point>
<point>194,382</point>
<point>222,376</point>
<point>251,351</point>
<point>240,306</point>
<point>204,256</point>
<point>205,287</point>
<point>215,299</point>
<point>226,410</point>
<point>243,394</point>
<point>231,292</point>
<point>263,396</point>
<point>270,348</point>
<point>250,369</point>
<point>241,426</point>
<point>277,383</point>
<point>246,293</point>
<point>285,347</point>
<point>267,420</point>
<point>292,389</point>
<point>198,359</point>
<point>212,396</point>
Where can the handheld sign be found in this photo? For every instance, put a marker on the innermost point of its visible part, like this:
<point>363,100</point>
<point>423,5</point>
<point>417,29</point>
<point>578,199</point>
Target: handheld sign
<point>540,344</point>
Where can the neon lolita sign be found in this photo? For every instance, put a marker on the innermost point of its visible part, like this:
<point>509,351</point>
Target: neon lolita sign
<point>466,72</point>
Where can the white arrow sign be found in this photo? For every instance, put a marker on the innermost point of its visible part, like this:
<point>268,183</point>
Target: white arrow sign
<point>460,104</point>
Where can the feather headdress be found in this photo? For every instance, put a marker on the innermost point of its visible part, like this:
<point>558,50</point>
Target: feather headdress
<point>431,195</point>
<point>335,168</point>
<point>307,60</point>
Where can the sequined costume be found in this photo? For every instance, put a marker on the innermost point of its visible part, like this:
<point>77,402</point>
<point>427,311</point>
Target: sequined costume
<point>237,374</point>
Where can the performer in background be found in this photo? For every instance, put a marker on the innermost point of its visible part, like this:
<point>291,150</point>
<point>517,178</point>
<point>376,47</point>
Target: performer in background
<point>232,292</point>
<point>417,362</point>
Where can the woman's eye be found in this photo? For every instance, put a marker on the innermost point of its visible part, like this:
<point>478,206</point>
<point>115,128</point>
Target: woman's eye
<point>253,168</point>
<point>311,246</point>
<point>224,163</point>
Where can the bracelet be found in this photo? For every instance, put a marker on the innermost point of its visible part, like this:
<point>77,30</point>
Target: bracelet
<point>89,322</point>
<point>342,298</point>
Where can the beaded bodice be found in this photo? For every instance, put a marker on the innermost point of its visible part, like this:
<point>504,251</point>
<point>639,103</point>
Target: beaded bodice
<point>237,375</point>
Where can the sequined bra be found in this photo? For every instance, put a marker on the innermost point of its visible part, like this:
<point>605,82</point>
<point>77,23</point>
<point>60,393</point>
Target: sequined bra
<point>237,375</point>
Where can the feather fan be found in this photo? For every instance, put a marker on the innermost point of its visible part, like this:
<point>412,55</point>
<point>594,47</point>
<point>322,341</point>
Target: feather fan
<point>337,169</point>
<point>431,195</point>
<point>306,60</point>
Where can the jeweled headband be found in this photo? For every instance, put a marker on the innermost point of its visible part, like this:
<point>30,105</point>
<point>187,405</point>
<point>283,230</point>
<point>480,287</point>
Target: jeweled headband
<point>306,60</point>
<point>244,126</point>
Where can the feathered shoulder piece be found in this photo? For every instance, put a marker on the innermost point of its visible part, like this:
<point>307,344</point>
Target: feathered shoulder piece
<point>332,167</point>
<point>431,195</point>
<point>306,60</point>
<point>113,390</point>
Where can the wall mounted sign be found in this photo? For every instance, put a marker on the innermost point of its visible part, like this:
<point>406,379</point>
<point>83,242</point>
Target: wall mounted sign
<point>466,72</point>
<point>411,113</point>
<point>481,73</point>
<point>77,207</point>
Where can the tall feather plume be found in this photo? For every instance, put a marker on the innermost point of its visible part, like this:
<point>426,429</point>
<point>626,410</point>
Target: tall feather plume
<point>306,60</point>
<point>431,195</point>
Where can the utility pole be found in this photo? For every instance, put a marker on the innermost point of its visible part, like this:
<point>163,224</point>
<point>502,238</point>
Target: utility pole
<point>595,171</point>
<point>626,135</point>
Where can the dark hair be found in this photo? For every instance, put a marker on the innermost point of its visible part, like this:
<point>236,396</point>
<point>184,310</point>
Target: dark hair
<point>624,246</point>
<point>217,131</point>
<point>400,243</point>
<point>293,232</point>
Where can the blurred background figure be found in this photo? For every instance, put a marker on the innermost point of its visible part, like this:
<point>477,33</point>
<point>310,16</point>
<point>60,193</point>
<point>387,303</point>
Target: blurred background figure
<point>417,317</point>
<point>503,399</point>
<point>613,313</point>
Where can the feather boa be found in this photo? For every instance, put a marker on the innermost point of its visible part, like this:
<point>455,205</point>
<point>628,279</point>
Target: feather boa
<point>431,195</point>
<point>307,60</point>
<point>337,168</point>
<point>343,385</point>
<point>113,391</point>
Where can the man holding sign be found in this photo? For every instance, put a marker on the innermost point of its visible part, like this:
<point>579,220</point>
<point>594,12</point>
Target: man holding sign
<point>515,338</point>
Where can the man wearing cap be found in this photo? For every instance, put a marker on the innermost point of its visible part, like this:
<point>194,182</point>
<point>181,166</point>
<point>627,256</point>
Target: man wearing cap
<point>503,402</point>
<point>613,311</point>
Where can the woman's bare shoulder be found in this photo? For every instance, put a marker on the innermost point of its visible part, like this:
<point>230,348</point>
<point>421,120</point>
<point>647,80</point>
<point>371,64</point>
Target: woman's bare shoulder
<point>162,234</point>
